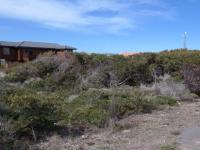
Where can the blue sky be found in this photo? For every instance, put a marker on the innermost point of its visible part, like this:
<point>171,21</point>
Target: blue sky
<point>103,26</point>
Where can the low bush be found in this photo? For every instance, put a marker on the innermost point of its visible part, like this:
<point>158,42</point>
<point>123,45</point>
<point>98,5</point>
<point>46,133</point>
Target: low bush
<point>167,86</point>
<point>191,74</point>
<point>97,106</point>
<point>44,66</point>
<point>168,147</point>
<point>89,115</point>
<point>8,143</point>
<point>22,72</point>
<point>47,84</point>
<point>33,111</point>
<point>164,100</point>
<point>89,90</point>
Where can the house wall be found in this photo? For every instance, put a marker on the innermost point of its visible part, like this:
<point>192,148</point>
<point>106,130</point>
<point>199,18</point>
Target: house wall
<point>11,57</point>
<point>25,54</point>
<point>20,55</point>
<point>31,54</point>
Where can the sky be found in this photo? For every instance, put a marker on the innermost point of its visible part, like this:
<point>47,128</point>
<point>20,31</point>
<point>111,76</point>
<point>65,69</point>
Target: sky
<point>103,26</point>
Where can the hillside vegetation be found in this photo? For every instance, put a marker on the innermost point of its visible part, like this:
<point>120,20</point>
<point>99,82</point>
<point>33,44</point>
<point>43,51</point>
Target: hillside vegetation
<point>70,95</point>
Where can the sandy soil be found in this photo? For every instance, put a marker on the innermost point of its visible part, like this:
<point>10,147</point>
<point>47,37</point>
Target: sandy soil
<point>138,132</point>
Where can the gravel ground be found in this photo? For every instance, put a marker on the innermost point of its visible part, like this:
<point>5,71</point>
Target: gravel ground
<point>137,132</point>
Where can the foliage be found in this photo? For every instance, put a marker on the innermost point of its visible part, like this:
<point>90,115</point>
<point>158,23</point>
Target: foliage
<point>87,90</point>
<point>191,77</point>
<point>172,61</point>
<point>95,105</point>
<point>98,70</point>
<point>22,72</point>
<point>47,84</point>
<point>164,100</point>
<point>168,147</point>
<point>43,66</point>
<point>168,86</point>
<point>36,110</point>
<point>88,115</point>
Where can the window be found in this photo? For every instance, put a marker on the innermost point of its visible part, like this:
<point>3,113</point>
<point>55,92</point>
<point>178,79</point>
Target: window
<point>6,51</point>
<point>29,52</point>
<point>2,62</point>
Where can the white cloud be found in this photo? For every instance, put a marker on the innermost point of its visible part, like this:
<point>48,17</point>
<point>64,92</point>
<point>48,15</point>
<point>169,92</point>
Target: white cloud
<point>107,15</point>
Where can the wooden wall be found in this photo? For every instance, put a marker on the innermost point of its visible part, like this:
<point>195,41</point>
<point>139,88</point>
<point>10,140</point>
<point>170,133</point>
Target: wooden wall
<point>11,57</point>
<point>25,54</point>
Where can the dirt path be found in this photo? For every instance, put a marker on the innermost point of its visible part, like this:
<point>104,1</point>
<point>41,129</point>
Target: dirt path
<point>138,132</point>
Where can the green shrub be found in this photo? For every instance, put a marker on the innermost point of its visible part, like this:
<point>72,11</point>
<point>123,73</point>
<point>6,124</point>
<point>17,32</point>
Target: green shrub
<point>47,84</point>
<point>22,72</point>
<point>89,115</point>
<point>43,101</point>
<point>46,65</point>
<point>33,110</point>
<point>133,102</point>
<point>168,147</point>
<point>164,100</point>
<point>13,144</point>
<point>96,106</point>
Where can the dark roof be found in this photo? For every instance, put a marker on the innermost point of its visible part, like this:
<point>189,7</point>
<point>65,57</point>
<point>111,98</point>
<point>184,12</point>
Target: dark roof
<point>41,45</point>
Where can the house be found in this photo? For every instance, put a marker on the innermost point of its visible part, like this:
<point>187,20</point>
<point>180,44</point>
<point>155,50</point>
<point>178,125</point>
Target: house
<point>127,54</point>
<point>26,50</point>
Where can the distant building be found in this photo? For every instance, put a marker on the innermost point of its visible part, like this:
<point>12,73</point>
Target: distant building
<point>26,50</point>
<point>127,54</point>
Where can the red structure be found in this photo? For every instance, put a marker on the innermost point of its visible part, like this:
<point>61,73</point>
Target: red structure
<point>127,54</point>
<point>26,51</point>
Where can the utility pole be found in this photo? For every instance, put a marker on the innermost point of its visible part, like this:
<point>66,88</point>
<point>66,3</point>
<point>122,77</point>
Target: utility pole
<point>185,41</point>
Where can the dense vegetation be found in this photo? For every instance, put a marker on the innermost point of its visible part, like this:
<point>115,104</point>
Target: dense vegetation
<point>81,91</point>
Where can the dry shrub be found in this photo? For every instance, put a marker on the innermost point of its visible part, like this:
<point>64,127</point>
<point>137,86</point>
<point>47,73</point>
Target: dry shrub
<point>56,64</point>
<point>47,64</point>
<point>54,143</point>
<point>166,86</point>
<point>95,78</point>
<point>124,126</point>
<point>192,77</point>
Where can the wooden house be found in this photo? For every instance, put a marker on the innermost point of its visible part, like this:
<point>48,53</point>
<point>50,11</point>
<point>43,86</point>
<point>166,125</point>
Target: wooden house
<point>26,50</point>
